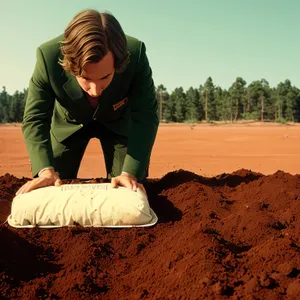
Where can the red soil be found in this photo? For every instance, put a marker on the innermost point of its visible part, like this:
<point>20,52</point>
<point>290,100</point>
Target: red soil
<point>233,236</point>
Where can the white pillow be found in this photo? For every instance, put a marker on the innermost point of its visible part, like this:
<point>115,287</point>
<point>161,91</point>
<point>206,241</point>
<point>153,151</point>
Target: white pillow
<point>94,205</point>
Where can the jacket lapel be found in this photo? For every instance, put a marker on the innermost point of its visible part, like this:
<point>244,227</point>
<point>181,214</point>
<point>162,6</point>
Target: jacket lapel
<point>75,92</point>
<point>73,89</point>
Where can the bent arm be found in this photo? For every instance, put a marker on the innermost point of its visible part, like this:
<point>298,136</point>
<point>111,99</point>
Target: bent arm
<point>37,117</point>
<point>143,119</point>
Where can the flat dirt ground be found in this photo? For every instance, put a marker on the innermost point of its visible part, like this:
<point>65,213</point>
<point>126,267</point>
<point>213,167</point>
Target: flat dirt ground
<point>207,150</point>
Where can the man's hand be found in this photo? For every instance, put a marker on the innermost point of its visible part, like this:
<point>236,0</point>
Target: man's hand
<point>46,178</point>
<point>127,180</point>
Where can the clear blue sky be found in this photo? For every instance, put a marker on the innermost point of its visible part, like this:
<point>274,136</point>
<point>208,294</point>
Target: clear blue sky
<point>187,41</point>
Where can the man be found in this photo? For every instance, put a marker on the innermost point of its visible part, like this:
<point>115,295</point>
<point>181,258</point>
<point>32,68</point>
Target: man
<point>92,82</point>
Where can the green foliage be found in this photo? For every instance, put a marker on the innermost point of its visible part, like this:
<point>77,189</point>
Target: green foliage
<point>254,115</point>
<point>193,105</point>
<point>179,99</point>
<point>223,105</point>
<point>237,93</point>
<point>162,100</point>
<point>281,120</point>
<point>12,107</point>
<point>190,121</point>
<point>257,102</point>
<point>209,103</point>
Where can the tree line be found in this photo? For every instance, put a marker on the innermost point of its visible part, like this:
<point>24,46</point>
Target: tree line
<point>12,106</point>
<point>257,101</point>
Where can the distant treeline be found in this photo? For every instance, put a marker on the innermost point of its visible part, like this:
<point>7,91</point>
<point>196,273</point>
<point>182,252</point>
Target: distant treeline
<point>257,101</point>
<point>12,106</point>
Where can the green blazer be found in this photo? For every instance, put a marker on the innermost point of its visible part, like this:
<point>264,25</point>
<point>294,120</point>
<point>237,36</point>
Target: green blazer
<point>56,103</point>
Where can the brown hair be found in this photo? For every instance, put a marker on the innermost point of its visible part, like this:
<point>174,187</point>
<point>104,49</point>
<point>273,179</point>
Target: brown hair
<point>88,38</point>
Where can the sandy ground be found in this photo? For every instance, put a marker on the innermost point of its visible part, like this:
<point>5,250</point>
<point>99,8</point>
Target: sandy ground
<point>234,236</point>
<point>204,149</point>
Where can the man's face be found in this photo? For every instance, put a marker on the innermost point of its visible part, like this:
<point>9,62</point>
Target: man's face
<point>97,76</point>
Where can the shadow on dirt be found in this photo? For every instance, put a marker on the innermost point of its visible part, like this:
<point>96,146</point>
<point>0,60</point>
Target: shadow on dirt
<point>164,208</point>
<point>21,260</point>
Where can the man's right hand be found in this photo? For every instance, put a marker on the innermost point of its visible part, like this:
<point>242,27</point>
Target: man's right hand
<point>47,178</point>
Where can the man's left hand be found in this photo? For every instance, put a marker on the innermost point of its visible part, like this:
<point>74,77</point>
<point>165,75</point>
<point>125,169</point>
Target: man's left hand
<point>127,180</point>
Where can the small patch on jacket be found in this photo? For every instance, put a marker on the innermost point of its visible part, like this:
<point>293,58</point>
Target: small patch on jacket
<point>120,103</point>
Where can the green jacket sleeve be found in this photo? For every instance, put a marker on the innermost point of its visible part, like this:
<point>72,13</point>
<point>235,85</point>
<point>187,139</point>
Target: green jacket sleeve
<point>37,117</point>
<point>143,118</point>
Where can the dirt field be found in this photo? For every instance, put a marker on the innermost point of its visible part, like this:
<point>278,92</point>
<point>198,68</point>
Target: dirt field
<point>206,150</point>
<point>224,231</point>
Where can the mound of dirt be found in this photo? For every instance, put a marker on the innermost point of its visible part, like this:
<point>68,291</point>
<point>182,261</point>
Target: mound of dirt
<point>234,236</point>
